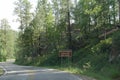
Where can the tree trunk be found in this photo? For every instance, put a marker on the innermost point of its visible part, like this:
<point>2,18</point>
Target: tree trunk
<point>69,29</point>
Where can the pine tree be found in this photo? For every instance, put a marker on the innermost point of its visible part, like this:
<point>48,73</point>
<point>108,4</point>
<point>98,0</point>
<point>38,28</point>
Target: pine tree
<point>4,40</point>
<point>22,10</point>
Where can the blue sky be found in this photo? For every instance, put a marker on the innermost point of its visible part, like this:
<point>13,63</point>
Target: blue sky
<point>6,11</point>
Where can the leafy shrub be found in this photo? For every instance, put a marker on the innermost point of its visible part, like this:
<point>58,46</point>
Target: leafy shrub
<point>116,41</point>
<point>102,47</point>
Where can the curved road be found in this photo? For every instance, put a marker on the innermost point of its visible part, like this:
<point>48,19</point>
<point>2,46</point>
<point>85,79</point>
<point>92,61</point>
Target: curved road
<point>16,72</point>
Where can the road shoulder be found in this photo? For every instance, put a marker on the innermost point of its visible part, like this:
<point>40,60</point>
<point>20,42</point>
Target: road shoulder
<point>1,71</point>
<point>85,77</point>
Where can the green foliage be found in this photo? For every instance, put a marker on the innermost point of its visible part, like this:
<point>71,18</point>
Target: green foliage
<point>7,41</point>
<point>41,38</point>
<point>22,10</point>
<point>103,47</point>
<point>116,41</point>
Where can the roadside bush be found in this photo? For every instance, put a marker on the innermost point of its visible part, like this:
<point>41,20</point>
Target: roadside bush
<point>116,41</point>
<point>102,47</point>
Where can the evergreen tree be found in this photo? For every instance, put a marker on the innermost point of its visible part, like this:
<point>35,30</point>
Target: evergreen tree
<point>22,10</point>
<point>6,47</point>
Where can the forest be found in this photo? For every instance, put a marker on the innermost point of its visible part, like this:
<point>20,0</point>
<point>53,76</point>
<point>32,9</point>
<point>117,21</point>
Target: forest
<point>7,41</point>
<point>90,28</point>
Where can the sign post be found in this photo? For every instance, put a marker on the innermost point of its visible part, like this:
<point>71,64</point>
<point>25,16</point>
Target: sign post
<point>65,54</point>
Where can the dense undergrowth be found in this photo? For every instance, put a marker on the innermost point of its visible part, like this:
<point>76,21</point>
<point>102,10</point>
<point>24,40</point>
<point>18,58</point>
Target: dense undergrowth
<point>92,60</point>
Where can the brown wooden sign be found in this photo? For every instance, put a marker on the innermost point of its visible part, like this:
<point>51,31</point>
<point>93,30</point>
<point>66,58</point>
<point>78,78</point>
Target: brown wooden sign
<point>65,53</point>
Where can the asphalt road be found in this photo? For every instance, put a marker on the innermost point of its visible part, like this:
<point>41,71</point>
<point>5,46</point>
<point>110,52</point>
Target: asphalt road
<point>16,72</point>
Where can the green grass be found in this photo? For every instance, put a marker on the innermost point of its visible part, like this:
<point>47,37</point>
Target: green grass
<point>1,71</point>
<point>97,76</point>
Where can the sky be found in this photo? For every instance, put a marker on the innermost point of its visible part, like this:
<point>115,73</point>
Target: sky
<point>7,12</point>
